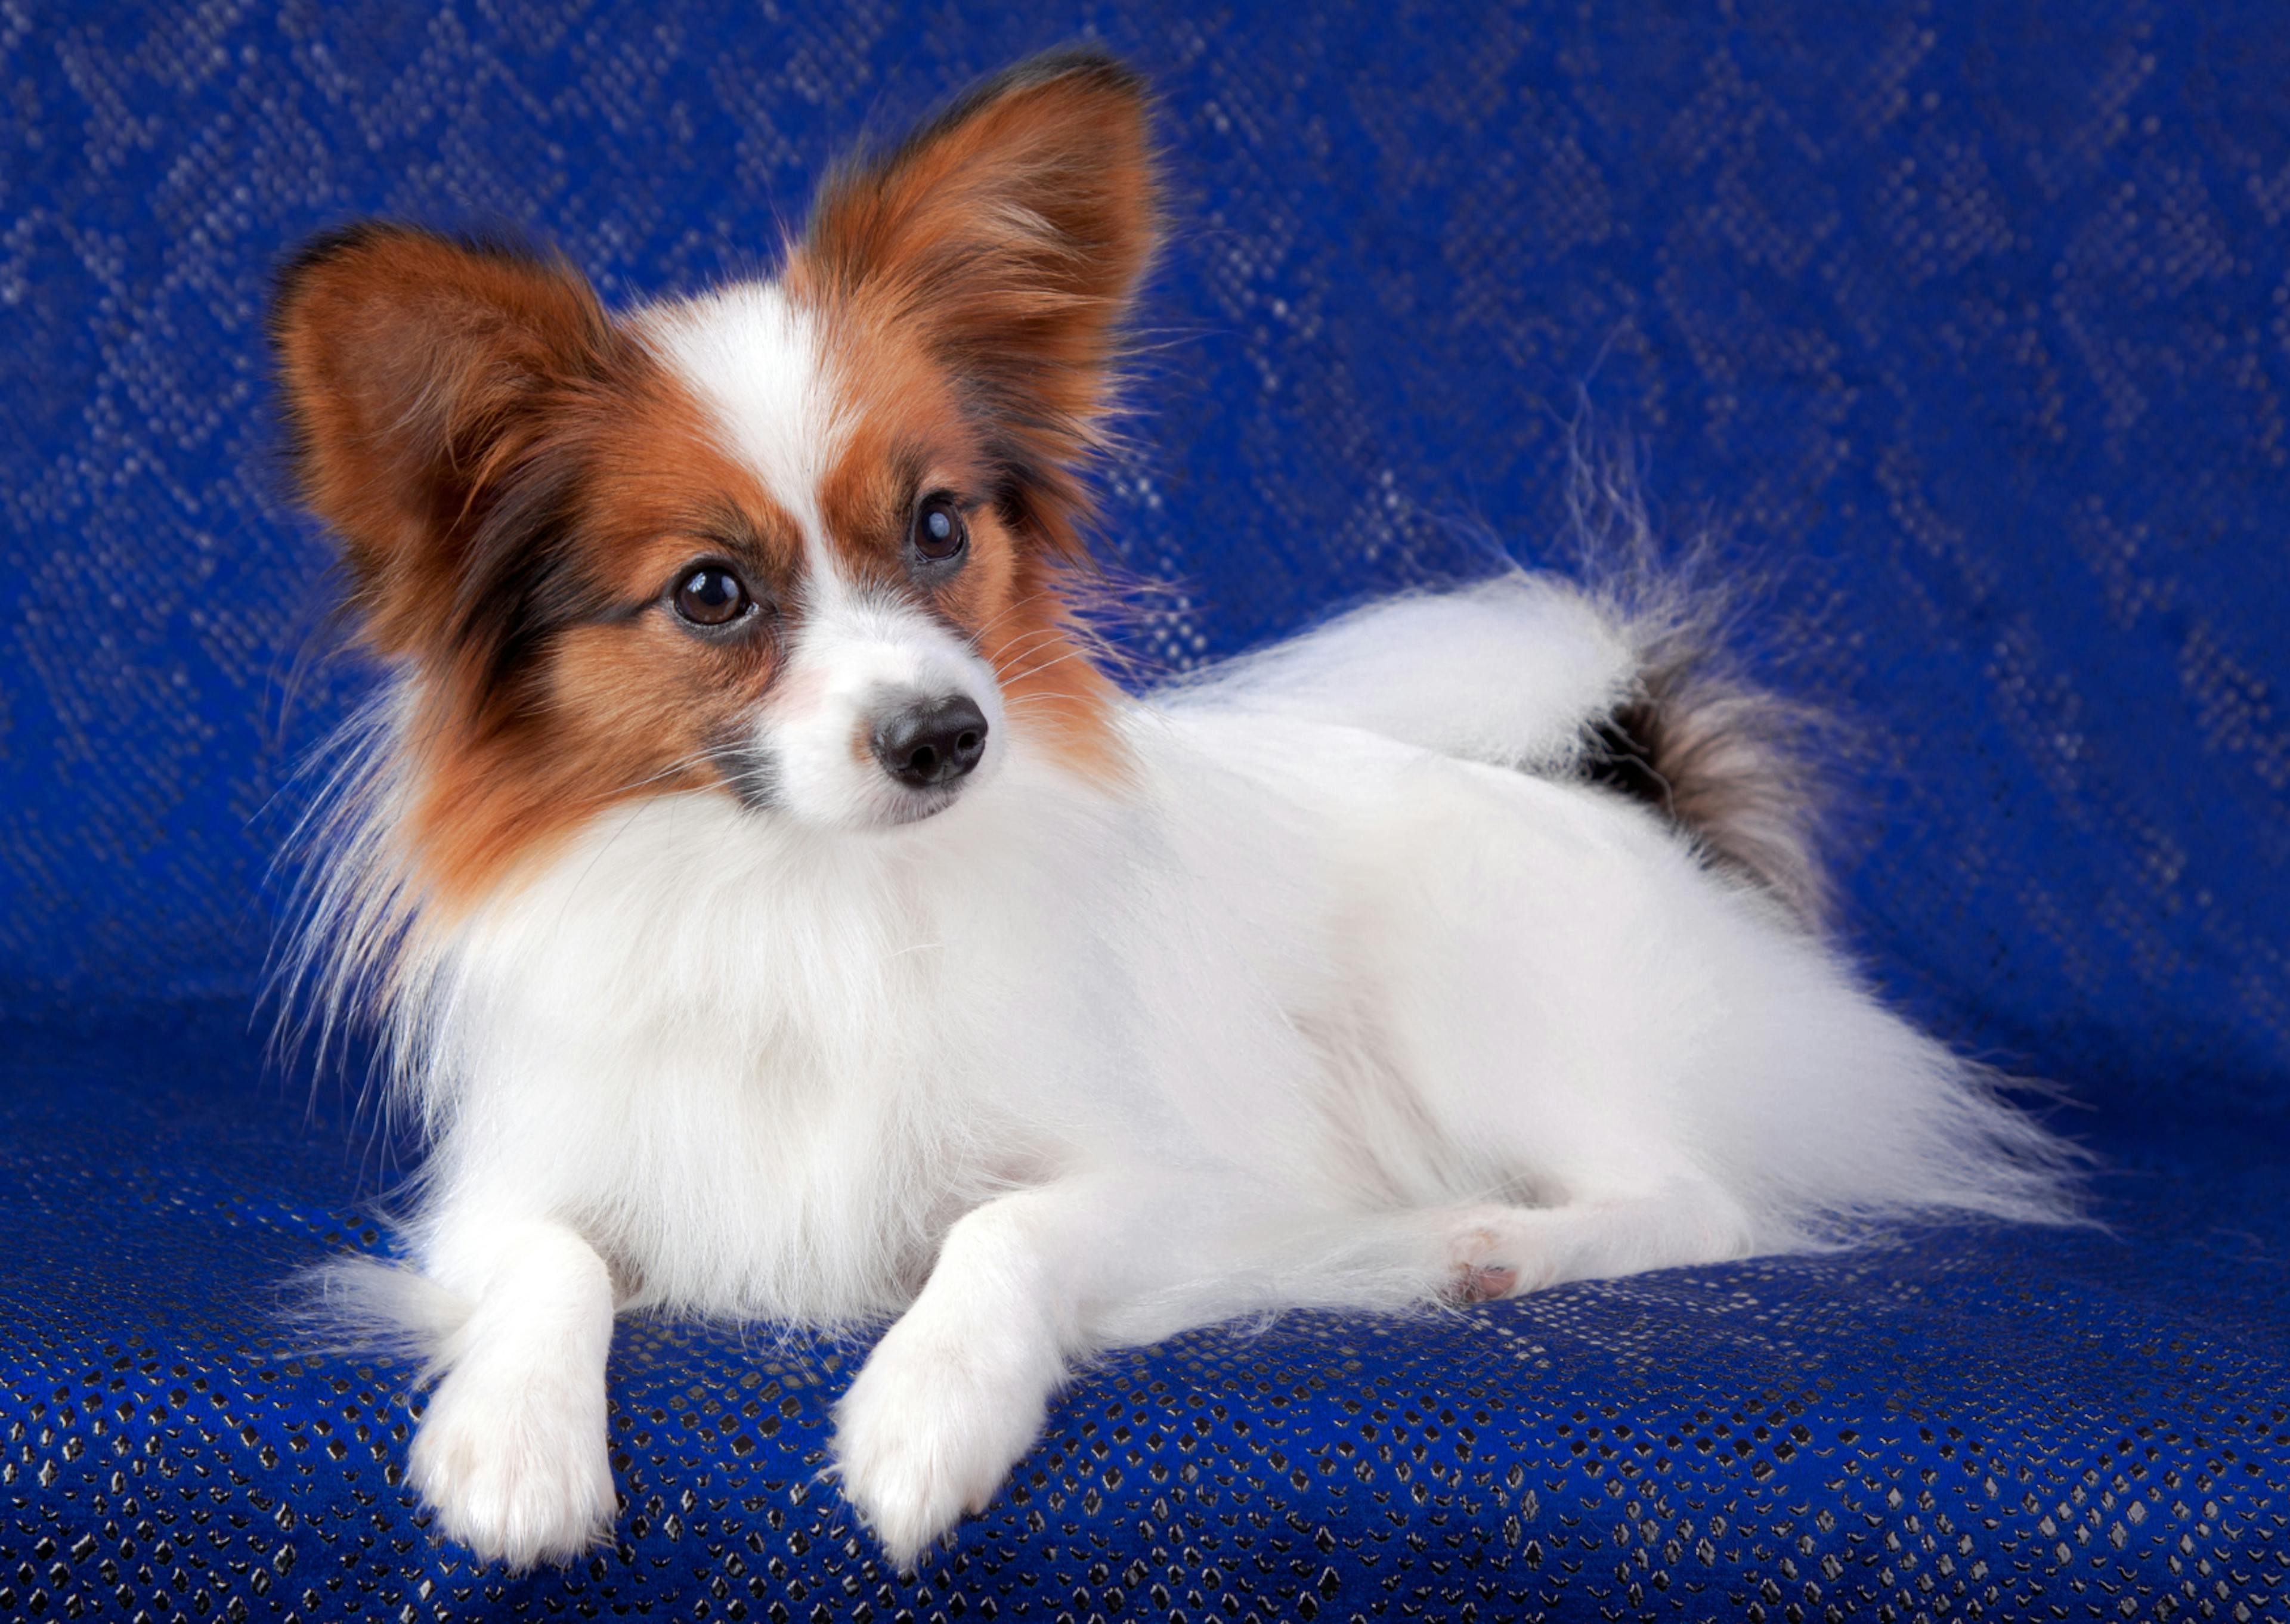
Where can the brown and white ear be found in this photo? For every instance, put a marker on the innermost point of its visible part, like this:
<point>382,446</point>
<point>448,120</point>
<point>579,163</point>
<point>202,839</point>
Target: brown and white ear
<point>1010,234</point>
<point>416,371</point>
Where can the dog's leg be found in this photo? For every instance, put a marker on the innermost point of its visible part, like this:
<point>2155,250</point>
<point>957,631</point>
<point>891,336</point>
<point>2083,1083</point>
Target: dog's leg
<point>511,1451</point>
<point>955,1392</point>
<point>1495,1251</point>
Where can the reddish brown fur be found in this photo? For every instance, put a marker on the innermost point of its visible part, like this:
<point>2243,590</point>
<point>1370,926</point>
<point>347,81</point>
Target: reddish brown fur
<point>975,280</point>
<point>514,476</point>
<point>909,437</point>
<point>413,369</point>
<point>1007,238</point>
<point>624,706</point>
<point>528,391</point>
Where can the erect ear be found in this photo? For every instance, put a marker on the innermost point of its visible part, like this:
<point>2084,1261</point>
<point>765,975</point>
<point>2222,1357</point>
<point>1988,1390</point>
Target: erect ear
<point>417,372</point>
<point>1010,234</point>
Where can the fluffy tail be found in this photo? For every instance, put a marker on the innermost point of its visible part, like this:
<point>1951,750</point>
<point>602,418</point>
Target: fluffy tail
<point>1509,672</point>
<point>1730,763</point>
<point>1623,682</point>
<point>1618,673</point>
<point>1727,762</point>
<point>357,1303</point>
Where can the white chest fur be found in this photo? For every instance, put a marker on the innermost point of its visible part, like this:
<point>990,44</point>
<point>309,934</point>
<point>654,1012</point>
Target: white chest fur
<point>763,1071</point>
<point>731,1059</point>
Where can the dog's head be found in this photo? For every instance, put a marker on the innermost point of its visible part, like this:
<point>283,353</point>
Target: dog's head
<point>797,542</point>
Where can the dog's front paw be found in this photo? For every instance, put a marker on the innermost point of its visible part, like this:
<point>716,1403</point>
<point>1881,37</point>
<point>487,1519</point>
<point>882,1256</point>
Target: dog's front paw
<point>514,1464</point>
<point>929,1431</point>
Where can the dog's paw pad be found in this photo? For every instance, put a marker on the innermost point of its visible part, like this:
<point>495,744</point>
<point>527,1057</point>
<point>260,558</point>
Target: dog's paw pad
<point>1495,1255</point>
<point>1485,1283</point>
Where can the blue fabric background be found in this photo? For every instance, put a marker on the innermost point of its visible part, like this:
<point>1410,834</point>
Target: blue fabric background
<point>1968,326</point>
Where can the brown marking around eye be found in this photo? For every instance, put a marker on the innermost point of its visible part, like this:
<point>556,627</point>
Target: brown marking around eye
<point>614,698</point>
<point>973,282</point>
<point>1008,593</point>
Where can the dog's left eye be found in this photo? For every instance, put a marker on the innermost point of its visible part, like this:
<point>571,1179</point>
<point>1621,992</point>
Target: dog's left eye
<point>940,532</point>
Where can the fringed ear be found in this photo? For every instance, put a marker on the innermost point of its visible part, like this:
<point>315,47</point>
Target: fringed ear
<point>417,374</point>
<point>1009,236</point>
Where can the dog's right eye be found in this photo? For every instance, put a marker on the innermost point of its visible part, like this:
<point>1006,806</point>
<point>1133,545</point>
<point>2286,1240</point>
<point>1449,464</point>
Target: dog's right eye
<point>711,596</point>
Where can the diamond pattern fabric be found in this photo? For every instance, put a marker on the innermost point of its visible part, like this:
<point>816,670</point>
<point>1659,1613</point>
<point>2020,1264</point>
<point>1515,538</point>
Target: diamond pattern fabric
<point>1964,331</point>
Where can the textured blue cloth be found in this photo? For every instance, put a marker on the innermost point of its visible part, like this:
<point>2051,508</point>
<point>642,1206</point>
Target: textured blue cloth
<point>1969,324</point>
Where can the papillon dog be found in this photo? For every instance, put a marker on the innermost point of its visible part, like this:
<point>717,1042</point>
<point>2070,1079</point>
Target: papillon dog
<point>771,907</point>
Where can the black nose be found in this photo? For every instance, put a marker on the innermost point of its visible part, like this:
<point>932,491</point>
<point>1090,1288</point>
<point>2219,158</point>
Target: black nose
<point>930,741</point>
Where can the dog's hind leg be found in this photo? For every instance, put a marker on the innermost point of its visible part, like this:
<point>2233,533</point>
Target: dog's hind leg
<point>1492,1250</point>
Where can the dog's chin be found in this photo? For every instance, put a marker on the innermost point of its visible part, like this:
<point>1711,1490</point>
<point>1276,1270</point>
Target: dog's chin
<point>859,807</point>
<point>884,813</point>
<point>915,806</point>
<point>884,816</point>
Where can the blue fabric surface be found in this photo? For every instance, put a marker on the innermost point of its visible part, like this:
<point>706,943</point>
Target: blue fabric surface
<point>1969,325</point>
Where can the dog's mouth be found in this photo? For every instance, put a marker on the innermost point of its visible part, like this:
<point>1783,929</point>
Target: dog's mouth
<point>918,806</point>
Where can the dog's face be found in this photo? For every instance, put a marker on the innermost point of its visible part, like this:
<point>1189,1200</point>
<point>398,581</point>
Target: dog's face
<point>797,542</point>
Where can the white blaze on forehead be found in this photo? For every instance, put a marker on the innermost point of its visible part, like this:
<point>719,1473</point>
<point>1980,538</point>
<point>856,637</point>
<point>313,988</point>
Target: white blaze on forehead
<point>755,357</point>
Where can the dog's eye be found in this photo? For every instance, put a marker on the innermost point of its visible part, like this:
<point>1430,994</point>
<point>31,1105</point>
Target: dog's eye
<point>939,534</point>
<point>711,596</point>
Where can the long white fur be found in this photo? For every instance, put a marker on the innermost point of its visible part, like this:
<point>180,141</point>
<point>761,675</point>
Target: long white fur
<point>1329,1002</point>
<point>1506,672</point>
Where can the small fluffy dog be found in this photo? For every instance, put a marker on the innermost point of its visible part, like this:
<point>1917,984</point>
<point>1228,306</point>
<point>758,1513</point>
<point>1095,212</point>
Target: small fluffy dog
<point>773,910</point>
